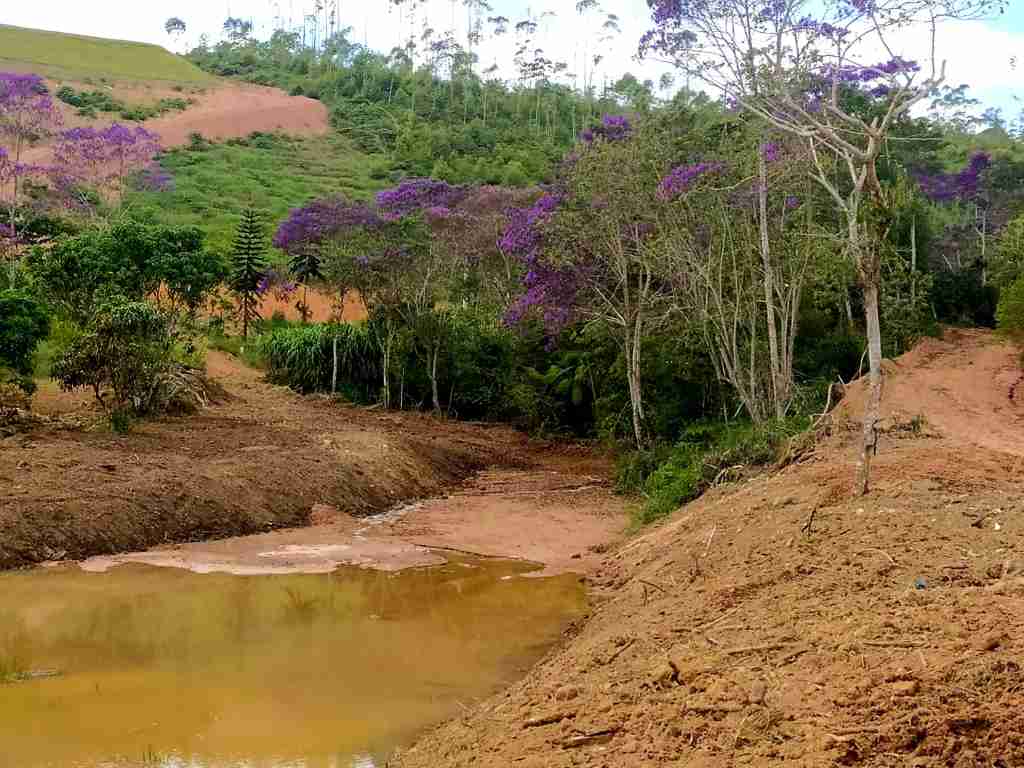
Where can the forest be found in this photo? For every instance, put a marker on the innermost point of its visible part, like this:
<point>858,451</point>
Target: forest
<point>690,279</point>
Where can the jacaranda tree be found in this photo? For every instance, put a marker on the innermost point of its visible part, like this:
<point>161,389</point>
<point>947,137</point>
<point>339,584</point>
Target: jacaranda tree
<point>791,62</point>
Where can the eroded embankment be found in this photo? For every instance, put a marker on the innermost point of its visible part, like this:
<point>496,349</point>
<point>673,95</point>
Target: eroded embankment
<point>782,621</point>
<point>258,462</point>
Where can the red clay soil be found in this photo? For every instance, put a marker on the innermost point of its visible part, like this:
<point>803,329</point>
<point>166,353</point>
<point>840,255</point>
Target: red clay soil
<point>780,621</point>
<point>262,460</point>
<point>223,110</point>
<point>237,109</point>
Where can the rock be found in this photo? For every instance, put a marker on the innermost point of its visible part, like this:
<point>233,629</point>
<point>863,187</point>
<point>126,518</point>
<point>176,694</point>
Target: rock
<point>567,693</point>
<point>757,692</point>
<point>664,675</point>
<point>906,688</point>
<point>989,642</point>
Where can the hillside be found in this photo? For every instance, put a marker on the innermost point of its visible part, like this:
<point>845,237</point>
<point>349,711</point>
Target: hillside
<point>76,56</point>
<point>780,621</point>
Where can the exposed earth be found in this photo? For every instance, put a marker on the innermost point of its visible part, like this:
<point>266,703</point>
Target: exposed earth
<point>777,620</point>
<point>266,459</point>
<point>780,621</point>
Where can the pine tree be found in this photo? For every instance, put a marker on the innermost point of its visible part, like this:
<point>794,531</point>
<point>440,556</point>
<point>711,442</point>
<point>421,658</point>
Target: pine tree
<point>248,266</point>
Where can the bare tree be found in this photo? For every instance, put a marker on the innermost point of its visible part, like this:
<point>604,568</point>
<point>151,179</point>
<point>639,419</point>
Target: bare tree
<point>774,60</point>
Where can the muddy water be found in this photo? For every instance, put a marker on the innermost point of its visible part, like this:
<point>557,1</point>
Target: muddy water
<point>163,667</point>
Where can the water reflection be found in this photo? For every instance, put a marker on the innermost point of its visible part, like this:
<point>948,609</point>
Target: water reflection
<point>178,670</point>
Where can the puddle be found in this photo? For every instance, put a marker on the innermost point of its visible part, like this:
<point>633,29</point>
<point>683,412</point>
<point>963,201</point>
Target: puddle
<point>164,667</point>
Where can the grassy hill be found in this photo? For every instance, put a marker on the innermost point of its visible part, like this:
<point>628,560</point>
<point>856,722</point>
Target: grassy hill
<point>79,57</point>
<point>214,182</point>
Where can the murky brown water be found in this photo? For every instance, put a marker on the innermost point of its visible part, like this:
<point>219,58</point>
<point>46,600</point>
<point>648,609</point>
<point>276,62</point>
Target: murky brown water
<point>162,667</point>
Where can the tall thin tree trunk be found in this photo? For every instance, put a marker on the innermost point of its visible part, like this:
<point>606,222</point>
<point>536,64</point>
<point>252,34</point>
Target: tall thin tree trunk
<point>913,260</point>
<point>387,368</point>
<point>632,351</point>
<point>436,352</point>
<point>776,394</point>
<point>872,406</point>
<point>334,366</point>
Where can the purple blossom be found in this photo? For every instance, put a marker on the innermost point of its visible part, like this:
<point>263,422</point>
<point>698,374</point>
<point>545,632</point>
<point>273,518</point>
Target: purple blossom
<point>792,201</point>
<point>278,283</point>
<point>415,195</point>
<point>612,128</point>
<point>105,156</point>
<point>682,177</point>
<point>770,152</point>
<point>948,187</point>
<point>320,220</point>
<point>27,112</point>
<point>522,236</point>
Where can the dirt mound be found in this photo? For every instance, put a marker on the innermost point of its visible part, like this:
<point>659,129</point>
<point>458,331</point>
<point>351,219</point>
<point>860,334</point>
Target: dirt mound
<point>780,621</point>
<point>888,632</point>
<point>964,385</point>
<point>223,110</point>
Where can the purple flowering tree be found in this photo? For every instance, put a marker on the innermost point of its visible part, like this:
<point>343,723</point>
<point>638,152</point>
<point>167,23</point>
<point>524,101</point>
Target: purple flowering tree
<point>27,115</point>
<point>968,189</point>
<point>587,249</point>
<point>104,159</point>
<point>716,222</point>
<point>789,62</point>
<point>363,251</point>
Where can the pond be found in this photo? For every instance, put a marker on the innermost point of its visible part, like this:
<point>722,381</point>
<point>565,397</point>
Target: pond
<point>146,666</point>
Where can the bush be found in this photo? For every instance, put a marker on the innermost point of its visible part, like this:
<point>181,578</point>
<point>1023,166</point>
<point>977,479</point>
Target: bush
<point>705,450</point>
<point>23,324</point>
<point>1010,314</point>
<point>302,357</point>
<point>126,347</point>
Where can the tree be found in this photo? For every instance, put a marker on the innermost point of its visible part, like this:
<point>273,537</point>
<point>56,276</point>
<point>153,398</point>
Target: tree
<point>586,250</point>
<point>174,27</point>
<point>125,347</point>
<point>248,266</point>
<point>714,228</point>
<point>167,264</point>
<point>27,115</point>
<point>23,324</point>
<point>793,71</point>
<point>103,159</point>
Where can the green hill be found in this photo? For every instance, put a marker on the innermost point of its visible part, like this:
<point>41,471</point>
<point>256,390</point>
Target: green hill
<point>78,57</point>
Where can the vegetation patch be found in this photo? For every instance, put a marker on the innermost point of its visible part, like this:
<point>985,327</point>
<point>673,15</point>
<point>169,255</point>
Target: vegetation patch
<point>214,182</point>
<point>707,454</point>
<point>78,57</point>
<point>90,103</point>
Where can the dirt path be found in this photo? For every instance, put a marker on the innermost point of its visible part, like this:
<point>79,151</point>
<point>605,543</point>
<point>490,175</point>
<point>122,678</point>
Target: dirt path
<point>268,459</point>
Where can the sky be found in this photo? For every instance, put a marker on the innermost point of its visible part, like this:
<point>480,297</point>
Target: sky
<point>989,56</point>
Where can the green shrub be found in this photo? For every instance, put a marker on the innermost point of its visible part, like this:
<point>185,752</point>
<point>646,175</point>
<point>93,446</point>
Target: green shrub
<point>302,357</point>
<point>703,453</point>
<point>1010,314</point>
<point>127,348</point>
<point>24,323</point>
<point>50,349</point>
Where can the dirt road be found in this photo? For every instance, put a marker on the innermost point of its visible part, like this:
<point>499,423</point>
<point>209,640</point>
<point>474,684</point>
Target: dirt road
<point>268,459</point>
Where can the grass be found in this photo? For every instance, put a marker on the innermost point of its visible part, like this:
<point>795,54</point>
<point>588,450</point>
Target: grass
<point>214,182</point>
<point>669,477</point>
<point>77,57</point>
